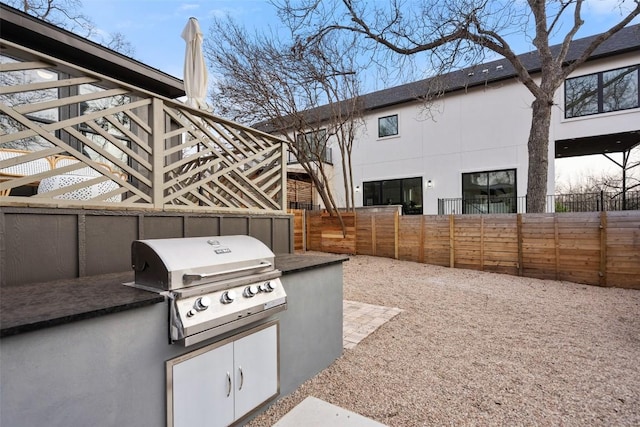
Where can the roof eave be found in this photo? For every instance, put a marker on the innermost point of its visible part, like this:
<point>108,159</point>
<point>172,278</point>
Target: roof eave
<point>33,33</point>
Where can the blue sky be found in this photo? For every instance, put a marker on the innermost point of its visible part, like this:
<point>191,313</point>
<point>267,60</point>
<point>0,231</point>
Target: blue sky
<point>153,27</point>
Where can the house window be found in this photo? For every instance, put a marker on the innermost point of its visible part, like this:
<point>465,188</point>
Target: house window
<point>406,192</point>
<point>489,192</point>
<point>602,92</point>
<point>312,146</point>
<point>388,126</point>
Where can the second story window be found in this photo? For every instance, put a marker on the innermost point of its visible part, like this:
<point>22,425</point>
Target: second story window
<point>388,126</point>
<point>312,146</point>
<point>602,92</point>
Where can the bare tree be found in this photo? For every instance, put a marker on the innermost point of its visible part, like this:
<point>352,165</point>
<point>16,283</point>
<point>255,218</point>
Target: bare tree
<point>450,31</point>
<point>306,94</point>
<point>628,180</point>
<point>619,189</point>
<point>67,14</point>
<point>118,42</point>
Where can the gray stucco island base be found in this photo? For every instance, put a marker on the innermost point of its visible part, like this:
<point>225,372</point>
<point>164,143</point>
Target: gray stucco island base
<point>109,370</point>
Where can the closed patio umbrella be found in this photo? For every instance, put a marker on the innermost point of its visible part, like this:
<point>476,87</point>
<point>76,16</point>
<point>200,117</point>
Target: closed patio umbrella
<point>195,70</point>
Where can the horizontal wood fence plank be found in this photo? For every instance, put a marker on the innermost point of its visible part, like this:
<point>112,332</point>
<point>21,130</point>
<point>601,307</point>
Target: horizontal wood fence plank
<point>564,246</point>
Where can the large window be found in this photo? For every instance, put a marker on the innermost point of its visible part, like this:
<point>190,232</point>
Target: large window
<point>489,192</point>
<point>406,192</point>
<point>388,126</point>
<point>602,92</point>
<point>312,146</point>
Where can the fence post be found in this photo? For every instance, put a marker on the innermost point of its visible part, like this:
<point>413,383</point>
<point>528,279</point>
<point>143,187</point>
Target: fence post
<point>482,243</point>
<point>602,279</point>
<point>396,232</point>
<point>355,231</point>
<point>304,230</point>
<point>283,177</point>
<point>373,234</point>
<point>157,145</point>
<point>520,254</point>
<point>421,249</point>
<point>556,241</point>
<point>452,252</point>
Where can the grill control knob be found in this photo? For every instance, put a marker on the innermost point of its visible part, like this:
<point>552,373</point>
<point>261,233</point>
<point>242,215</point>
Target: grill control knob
<point>250,291</point>
<point>202,303</point>
<point>228,297</point>
<point>191,313</point>
<point>268,287</point>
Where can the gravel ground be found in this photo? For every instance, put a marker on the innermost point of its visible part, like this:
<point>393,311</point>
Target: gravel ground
<point>475,348</point>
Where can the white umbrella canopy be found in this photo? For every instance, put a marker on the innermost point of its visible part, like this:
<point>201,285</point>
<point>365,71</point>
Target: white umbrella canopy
<point>195,69</point>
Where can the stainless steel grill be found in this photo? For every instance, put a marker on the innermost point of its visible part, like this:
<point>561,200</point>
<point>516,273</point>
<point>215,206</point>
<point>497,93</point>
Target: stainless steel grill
<point>214,284</point>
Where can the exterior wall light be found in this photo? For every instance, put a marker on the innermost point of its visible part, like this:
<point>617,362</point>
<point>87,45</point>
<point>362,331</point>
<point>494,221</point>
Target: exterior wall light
<point>357,188</point>
<point>429,184</point>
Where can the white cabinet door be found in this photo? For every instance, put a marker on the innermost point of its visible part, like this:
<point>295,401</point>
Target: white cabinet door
<point>256,369</point>
<point>203,392</point>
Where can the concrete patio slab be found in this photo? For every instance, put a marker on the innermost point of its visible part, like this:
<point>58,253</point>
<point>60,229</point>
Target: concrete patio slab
<point>313,412</point>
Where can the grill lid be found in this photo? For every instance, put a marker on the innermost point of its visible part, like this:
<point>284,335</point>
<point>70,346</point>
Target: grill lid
<point>170,264</point>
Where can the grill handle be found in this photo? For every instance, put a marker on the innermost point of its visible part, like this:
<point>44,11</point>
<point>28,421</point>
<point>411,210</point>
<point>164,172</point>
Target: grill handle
<point>188,278</point>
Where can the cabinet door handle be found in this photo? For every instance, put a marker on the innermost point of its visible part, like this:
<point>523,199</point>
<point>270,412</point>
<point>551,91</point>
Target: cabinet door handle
<point>241,377</point>
<point>228,384</point>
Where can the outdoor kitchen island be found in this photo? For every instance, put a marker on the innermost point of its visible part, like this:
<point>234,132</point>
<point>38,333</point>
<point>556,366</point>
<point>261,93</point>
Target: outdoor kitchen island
<point>91,351</point>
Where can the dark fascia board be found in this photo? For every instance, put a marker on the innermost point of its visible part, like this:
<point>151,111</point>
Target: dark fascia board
<point>33,33</point>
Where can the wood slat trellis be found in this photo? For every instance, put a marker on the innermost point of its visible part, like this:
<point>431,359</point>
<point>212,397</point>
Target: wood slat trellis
<point>124,147</point>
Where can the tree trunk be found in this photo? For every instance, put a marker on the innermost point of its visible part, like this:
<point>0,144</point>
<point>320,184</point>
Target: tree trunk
<point>351,190</point>
<point>538,156</point>
<point>345,179</point>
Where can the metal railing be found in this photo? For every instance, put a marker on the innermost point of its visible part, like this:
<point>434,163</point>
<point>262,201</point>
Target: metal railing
<point>135,149</point>
<point>596,202</point>
<point>303,205</point>
<point>585,202</point>
<point>482,205</point>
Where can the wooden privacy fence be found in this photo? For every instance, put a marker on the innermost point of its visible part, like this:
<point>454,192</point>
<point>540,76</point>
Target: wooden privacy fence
<point>597,248</point>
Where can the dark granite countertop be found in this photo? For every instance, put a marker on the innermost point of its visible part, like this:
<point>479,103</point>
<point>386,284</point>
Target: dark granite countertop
<point>25,308</point>
<point>291,263</point>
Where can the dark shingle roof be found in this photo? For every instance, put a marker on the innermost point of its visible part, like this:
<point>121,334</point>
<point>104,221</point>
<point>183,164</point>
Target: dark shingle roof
<point>625,40</point>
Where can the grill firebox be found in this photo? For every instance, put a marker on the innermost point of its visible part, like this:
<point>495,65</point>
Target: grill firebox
<point>214,284</point>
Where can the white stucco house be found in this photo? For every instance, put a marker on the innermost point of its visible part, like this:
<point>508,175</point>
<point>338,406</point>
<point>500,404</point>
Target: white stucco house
<point>467,153</point>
